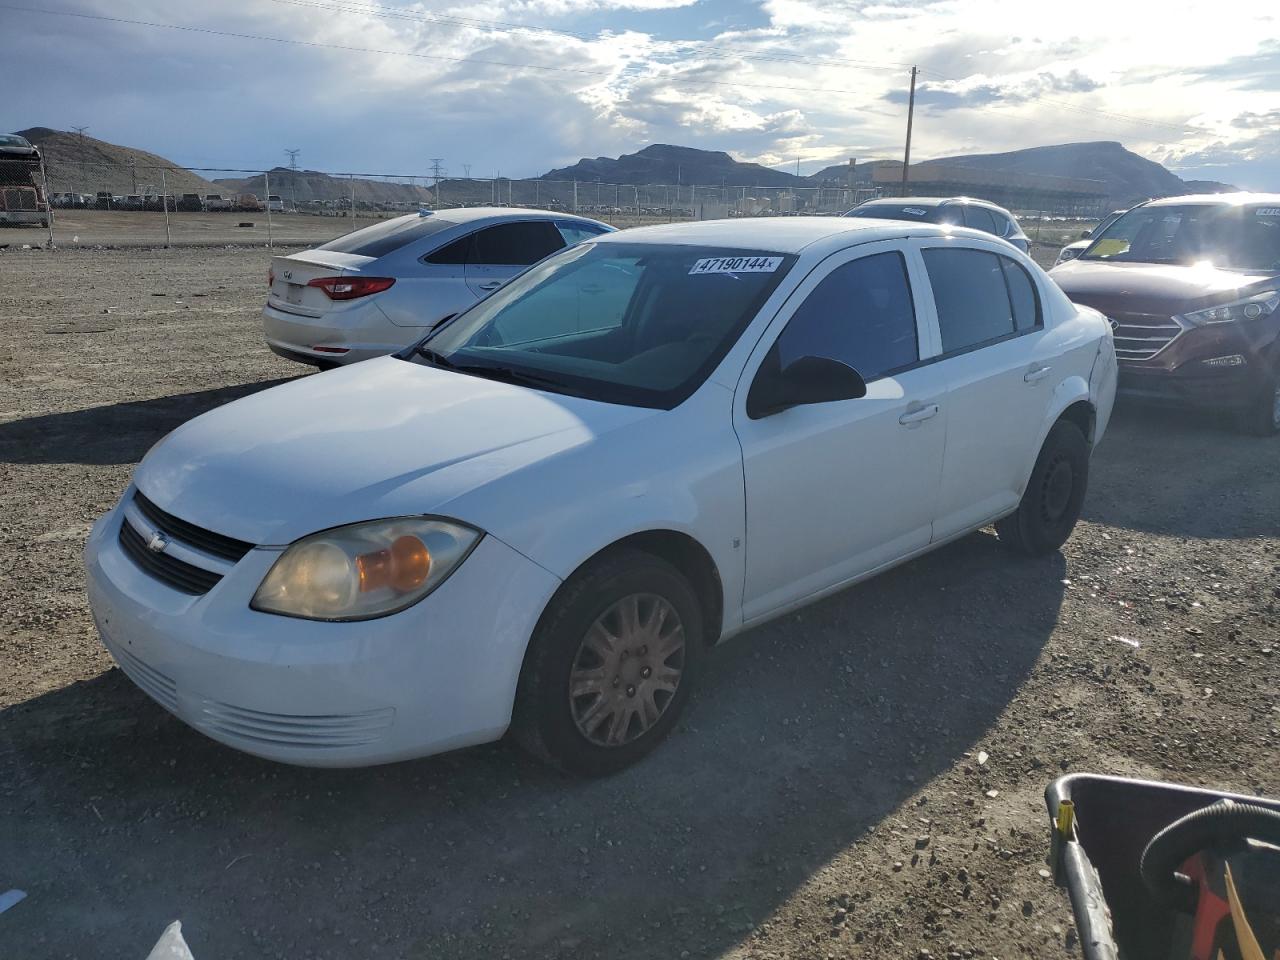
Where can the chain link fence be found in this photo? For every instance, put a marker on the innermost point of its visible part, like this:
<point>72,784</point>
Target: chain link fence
<point>87,203</point>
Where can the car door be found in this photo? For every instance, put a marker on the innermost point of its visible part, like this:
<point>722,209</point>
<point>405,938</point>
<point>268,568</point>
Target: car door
<point>836,490</point>
<point>501,251</point>
<point>999,374</point>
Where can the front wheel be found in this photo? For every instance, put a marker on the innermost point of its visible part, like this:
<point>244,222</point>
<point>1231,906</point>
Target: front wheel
<point>1262,416</point>
<point>610,666</point>
<point>1051,504</point>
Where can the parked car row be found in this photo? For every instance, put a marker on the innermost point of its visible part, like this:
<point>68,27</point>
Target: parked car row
<point>187,202</point>
<point>594,455</point>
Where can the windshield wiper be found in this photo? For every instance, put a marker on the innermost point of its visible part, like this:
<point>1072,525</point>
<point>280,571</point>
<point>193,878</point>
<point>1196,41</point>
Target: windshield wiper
<point>510,375</point>
<point>434,357</point>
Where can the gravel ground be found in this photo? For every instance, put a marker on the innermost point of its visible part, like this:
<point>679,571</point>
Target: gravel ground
<point>863,778</point>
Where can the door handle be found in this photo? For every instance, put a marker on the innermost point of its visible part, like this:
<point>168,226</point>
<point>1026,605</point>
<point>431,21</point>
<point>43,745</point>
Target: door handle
<point>917,416</point>
<point>490,285</point>
<point>1039,373</point>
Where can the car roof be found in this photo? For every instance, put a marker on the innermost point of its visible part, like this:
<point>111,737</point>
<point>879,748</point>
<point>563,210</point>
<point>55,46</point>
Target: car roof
<point>926,202</point>
<point>471,214</point>
<point>1221,199</point>
<point>785,234</point>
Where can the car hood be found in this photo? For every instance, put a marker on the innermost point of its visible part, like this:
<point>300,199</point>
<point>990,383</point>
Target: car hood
<point>1152,287</point>
<point>377,439</point>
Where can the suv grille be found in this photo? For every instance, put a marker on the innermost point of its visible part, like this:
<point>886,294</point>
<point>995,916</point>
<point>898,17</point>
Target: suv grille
<point>1140,336</point>
<point>216,544</point>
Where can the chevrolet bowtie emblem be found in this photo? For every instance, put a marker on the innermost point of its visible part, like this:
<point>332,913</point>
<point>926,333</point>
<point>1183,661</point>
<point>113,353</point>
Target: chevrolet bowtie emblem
<point>157,543</point>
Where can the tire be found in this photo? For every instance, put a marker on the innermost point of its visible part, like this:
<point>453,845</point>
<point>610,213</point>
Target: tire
<point>582,639</point>
<point>1051,504</point>
<point>1262,417</point>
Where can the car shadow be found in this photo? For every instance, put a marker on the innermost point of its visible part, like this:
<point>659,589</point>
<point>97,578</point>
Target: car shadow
<point>1191,483</point>
<point>806,734</point>
<point>112,434</point>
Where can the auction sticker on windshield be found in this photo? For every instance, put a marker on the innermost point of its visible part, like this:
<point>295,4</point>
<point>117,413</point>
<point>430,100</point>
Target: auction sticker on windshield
<point>736,265</point>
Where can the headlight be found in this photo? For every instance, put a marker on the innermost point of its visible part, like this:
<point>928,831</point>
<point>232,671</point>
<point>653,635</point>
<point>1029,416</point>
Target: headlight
<point>1067,253</point>
<point>1250,308</point>
<point>364,570</point>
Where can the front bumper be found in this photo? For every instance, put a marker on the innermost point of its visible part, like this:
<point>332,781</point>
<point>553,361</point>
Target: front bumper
<point>440,675</point>
<point>296,337</point>
<point>1179,373</point>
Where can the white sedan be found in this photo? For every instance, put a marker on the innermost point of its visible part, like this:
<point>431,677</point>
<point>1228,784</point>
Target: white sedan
<point>541,517</point>
<point>380,288</point>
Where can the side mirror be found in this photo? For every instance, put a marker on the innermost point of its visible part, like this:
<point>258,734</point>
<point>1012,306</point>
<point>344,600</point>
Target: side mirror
<point>804,381</point>
<point>1086,234</point>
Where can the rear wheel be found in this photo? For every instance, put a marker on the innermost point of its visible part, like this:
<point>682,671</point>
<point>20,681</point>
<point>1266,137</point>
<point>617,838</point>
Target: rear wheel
<point>610,666</point>
<point>1051,504</point>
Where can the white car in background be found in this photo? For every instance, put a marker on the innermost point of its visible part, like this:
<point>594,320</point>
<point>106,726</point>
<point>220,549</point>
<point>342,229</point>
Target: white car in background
<point>543,515</point>
<point>379,289</point>
<point>275,204</point>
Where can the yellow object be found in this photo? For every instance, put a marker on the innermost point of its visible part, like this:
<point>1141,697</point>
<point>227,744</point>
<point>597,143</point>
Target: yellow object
<point>1248,943</point>
<point>1066,818</point>
<point>1109,248</point>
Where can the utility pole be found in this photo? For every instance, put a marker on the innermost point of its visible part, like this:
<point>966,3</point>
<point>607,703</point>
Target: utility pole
<point>80,132</point>
<point>292,154</point>
<point>911,109</point>
<point>437,173</point>
<point>466,171</point>
<point>133,173</point>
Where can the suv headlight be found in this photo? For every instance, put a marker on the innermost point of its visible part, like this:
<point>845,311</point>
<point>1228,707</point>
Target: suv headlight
<point>1250,308</point>
<point>364,570</point>
<point>1067,253</point>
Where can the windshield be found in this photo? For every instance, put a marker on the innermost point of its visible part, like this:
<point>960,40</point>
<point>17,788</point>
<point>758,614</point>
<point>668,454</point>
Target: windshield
<point>636,323</point>
<point>13,140</point>
<point>1235,238</point>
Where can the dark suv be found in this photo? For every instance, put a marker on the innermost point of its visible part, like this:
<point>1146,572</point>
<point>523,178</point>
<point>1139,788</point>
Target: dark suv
<point>1192,288</point>
<point>957,211</point>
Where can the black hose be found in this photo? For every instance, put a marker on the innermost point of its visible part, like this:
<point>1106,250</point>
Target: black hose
<point>1209,826</point>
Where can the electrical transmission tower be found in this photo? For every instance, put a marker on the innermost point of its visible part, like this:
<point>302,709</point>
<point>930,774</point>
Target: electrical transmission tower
<point>292,153</point>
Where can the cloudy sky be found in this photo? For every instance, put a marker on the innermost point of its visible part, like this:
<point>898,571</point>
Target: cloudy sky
<point>521,86</point>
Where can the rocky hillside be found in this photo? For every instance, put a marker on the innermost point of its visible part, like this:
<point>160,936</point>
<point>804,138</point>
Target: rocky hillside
<point>306,185</point>
<point>1129,177</point>
<point>83,164</point>
<point>664,163</point>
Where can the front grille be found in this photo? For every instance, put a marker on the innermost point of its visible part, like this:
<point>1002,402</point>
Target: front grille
<point>176,573</point>
<point>215,544</point>
<point>1141,336</point>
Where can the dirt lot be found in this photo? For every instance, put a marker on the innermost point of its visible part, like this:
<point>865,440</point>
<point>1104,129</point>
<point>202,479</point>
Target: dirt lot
<point>824,797</point>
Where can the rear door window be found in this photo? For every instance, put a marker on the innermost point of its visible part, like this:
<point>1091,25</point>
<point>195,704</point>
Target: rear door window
<point>516,244</point>
<point>1022,295</point>
<point>980,218</point>
<point>577,232</point>
<point>456,253</point>
<point>971,296</point>
<point>860,314</point>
